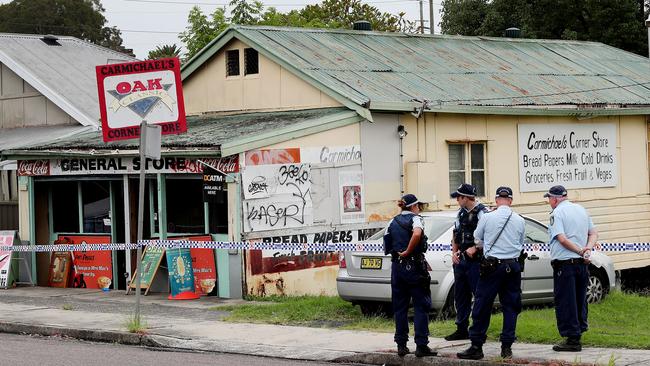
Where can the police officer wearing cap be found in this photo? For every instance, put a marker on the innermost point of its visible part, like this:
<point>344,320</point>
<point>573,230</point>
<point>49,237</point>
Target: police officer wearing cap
<point>465,256</point>
<point>572,236</point>
<point>501,233</point>
<point>405,241</point>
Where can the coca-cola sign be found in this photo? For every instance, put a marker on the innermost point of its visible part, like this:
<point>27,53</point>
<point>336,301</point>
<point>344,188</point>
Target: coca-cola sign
<point>124,165</point>
<point>33,167</point>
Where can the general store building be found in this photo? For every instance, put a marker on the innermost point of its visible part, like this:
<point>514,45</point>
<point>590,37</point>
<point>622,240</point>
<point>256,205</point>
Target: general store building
<point>354,118</point>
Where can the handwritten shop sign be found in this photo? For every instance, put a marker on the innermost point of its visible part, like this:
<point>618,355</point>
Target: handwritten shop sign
<point>277,196</point>
<point>574,155</point>
<point>123,165</point>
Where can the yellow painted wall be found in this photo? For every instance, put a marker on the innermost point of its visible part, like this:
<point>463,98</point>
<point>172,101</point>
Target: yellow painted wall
<point>273,88</point>
<point>621,213</point>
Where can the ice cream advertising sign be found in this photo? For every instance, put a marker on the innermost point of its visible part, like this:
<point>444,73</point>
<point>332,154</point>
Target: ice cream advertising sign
<point>181,274</point>
<point>145,90</point>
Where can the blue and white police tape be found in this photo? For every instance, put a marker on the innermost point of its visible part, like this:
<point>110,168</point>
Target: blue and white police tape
<point>296,247</point>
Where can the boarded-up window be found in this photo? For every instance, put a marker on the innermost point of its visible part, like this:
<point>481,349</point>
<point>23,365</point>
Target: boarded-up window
<point>232,63</point>
<point>467,165</point>
<point>251,61</point>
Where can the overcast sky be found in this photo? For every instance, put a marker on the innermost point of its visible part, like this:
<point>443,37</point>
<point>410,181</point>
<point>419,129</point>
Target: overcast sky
<point>146,24</point>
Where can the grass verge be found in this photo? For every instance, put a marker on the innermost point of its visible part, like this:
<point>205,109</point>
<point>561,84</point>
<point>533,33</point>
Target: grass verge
<point>619,321</point>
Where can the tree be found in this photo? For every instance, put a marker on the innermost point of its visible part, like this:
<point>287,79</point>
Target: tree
<point>328,14</point>
<point>201,30</point>
<point>83,19</point>
<point>164,51</point>
<point>619,23</point>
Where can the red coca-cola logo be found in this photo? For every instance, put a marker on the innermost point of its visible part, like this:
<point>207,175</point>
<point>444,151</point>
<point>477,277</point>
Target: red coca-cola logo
<point>226,165</point>
<point>33,167</point>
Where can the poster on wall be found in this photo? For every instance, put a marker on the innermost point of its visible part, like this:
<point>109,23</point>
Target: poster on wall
<point>8,269</point>
<point>573,155</point>
<point>272,156</point>
<point>277,197</point>
<point>351,199</point>
<point>91,269</point>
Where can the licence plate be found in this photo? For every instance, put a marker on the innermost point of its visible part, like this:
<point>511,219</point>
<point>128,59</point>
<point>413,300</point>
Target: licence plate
<point>371,263</point>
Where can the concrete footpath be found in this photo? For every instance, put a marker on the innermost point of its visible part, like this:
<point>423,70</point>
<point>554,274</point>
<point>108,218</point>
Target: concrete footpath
<point>191,325</point>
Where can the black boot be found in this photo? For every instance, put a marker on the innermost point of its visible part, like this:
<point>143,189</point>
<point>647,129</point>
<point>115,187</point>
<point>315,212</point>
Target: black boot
<point>571,344</point>
<point>402,350</point>
<point>506,351</point>
<point>424,350</point>
<point>474,352</point>
<point>459,334</point>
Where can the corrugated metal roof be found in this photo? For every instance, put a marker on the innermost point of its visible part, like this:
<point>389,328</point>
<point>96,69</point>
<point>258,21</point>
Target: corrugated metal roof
<point>207,132</point>
<point>65,74</point>
<point>12,138</point>
<point>377,68</point>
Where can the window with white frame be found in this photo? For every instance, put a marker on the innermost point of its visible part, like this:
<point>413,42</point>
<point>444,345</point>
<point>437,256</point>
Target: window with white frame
<point>467,165</point>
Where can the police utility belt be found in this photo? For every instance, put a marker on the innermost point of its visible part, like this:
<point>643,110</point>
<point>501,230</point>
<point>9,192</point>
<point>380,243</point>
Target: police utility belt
<point>557,263</point>
<point>415,257</point>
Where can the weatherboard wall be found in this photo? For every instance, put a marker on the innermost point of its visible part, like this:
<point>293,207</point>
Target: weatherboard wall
<point>273,88</point>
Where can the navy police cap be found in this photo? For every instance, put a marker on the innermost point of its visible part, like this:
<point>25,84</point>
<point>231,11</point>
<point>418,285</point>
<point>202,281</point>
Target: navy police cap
<point>556,191</point>
<point>464,189</point>
<point>504,192</point>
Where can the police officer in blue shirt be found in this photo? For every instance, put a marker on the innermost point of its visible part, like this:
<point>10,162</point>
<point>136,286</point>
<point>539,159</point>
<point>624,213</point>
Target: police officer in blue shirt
<point>572,236</point>
<point>465,256</point>
<point>405,241</point>
<point>501,233</point>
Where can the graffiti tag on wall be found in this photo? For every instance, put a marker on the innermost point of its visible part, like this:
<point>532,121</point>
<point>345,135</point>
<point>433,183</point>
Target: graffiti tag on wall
<point>277,196</point>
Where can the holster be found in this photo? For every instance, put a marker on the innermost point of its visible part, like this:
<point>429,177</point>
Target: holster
<point>488,266</point>
<point>522,259</point>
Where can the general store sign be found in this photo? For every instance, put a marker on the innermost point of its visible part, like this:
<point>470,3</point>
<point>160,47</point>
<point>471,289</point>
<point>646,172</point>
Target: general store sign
<point>146,90</point>
<point>123,165</point>
<point>573,155</point>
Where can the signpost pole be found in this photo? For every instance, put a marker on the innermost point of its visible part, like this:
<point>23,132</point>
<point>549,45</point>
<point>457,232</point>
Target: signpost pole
<point>138,273</point>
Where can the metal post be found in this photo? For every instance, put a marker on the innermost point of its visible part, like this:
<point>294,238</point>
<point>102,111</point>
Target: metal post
<point>431,16</point>
<point>421,18</point>
<point>127,229</point>
<point>138,274</point>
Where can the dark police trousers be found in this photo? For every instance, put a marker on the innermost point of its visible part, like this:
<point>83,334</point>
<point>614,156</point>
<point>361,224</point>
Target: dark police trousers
<point>403,290</point>
<point>466,275</point>
<point>506,282</point>
<point>570,290</point>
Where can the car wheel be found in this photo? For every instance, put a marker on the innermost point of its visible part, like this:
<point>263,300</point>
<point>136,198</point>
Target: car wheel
<point>448,311</point>
<point>596,286</point>
<point>376,308</point>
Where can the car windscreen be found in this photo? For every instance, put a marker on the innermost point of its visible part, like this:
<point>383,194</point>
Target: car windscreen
<point>434,226</point>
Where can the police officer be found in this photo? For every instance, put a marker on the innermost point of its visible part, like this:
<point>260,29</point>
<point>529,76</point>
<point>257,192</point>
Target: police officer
<point>465,256</point>
<point>501,233</point>
<point>572,236</point>
<point>410,280</point>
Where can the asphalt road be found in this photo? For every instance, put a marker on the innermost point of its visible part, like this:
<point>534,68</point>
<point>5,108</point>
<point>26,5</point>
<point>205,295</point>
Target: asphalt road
<point>28,350</point>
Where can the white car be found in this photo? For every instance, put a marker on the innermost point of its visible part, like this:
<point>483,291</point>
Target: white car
<point>364,277</point>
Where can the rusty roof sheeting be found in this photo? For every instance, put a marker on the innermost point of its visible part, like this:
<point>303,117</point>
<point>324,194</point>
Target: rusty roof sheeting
<point>394,67</point>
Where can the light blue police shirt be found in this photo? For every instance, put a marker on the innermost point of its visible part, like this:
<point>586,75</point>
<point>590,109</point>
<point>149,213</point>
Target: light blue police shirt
<point>574,222</point>
<point>511,241</point>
